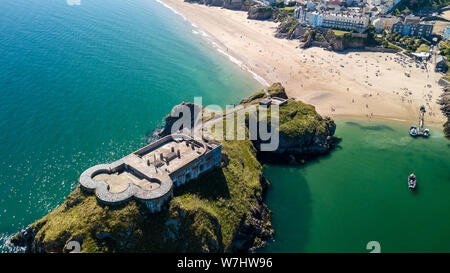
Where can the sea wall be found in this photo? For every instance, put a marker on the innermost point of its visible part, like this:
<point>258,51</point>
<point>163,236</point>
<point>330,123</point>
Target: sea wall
<point>203,164</point>
<point>155,198</point>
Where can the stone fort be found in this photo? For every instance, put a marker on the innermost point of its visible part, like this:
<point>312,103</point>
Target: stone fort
<point>150,173</point>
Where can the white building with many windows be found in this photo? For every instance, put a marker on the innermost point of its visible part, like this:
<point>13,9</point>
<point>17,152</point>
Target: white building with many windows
<point>335,20</point>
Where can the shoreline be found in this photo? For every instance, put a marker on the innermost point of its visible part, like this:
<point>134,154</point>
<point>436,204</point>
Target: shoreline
<point>218,45</point>
<point>334,87</point>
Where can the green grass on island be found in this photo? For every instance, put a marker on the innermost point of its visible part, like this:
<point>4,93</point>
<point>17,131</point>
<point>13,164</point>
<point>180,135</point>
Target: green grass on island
<point>205,212</point>
<point>340,32</point>
<point>204,216</point>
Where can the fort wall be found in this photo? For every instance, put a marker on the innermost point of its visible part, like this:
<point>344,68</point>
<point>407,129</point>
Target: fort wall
<point>209,154</point>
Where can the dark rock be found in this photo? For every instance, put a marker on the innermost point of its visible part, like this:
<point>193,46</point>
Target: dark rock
<point>291,29</point>
<point>260,13</point>
<point>228,4</point>
<point>253,231</point>
<point>25,238</point>
<point>171,119</point>
<point>444,101</point>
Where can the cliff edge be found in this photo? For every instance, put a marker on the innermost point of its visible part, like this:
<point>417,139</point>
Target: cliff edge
<point>222,211</point>
<point>444,101</point>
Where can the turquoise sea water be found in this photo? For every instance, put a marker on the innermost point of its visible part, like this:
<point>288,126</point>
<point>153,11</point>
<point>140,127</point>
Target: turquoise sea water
<point>81,85</point>
<point>86,84</point>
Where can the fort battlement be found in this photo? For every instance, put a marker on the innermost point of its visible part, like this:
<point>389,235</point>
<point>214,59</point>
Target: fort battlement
<point>150,173</point>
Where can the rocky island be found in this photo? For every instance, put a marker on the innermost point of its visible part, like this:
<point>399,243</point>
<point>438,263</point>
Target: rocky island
<point>221,210</point>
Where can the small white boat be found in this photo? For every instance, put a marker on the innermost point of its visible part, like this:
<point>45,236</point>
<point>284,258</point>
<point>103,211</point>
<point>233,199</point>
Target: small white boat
<point>413,131</point>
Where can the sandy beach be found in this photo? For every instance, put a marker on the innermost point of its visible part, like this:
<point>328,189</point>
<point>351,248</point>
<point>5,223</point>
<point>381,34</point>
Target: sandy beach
<point>363,84</point>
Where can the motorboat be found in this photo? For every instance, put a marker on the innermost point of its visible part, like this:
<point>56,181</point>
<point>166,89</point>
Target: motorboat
<point>413,131</point>
<point>412,181</point>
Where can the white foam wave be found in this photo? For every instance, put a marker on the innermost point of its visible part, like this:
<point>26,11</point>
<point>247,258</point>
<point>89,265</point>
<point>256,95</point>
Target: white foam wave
<point>6,246</point>
<point>231,58</point>
<point>243,66</point>
<point>397,119</point>
<point>172,9</point>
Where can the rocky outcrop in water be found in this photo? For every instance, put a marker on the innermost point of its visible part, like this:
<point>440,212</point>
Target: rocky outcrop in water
<point>311,143</point>
<point>192,222</point>
<point>303,133</point>
<point>170,120</point>
<point>221,211</point>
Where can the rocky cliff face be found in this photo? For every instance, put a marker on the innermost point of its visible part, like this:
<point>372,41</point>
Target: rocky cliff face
<point>311,143</point>
<point>219,212</point>
<point>170,119</point>
<point>343,42</point>
<point>236,4</point>
<point>309,37</point>
<point>228,4</point>
<point>259,13</point>
<point>303,133</point>
<point>290,29</point>
<point>444,101</point>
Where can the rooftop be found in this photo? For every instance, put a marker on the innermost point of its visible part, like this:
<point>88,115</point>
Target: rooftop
<point>144,173</point>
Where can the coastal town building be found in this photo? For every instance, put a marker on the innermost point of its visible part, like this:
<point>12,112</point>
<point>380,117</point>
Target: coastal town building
<point>344,20</point>
<point>358,14</point>
<point>447,33</point>
<point>383,22</point>
<point>412,26</point>
<point>441,64</point>
<point>384,6</point>
<point>150,173</point>
<point>378,24</point>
